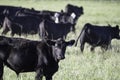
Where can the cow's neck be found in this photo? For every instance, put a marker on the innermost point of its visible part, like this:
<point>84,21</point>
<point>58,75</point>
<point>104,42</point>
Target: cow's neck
<point>50,56</point>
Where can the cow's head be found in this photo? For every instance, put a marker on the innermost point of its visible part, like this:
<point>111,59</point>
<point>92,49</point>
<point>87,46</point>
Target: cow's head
<point>59,48</point>
<point>115,32</point>
<point>75,11</point>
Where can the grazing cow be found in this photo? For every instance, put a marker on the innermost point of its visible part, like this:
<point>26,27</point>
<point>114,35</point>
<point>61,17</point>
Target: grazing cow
<point>98,36</point>
<point>21,25</point>
<point>54,31</point>
<point>75,11</point>
<point>41,57</point>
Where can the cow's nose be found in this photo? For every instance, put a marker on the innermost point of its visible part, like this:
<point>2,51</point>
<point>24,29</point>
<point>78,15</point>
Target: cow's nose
<point>61,57</point>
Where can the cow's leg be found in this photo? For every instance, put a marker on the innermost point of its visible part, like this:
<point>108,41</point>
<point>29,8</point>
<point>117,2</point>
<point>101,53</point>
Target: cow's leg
<point>104,48</point>
<point>1,70</point>
<point>82,47</point>
<point>109,46</point>
<point>92,49</point>
<point>12,34</point>
<point>5,31</point>
<point>39,74</point>
<point>48,77</point>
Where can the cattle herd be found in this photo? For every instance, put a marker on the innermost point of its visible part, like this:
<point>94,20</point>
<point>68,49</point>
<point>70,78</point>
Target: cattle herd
<point>43,56</point>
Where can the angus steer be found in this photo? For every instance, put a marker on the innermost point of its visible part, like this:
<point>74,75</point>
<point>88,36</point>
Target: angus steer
<point>97,36</point>
<point>23,55</point>
<point>50,30</point>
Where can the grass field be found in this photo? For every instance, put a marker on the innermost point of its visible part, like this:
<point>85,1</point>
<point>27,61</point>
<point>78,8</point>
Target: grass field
<point>78,66</point>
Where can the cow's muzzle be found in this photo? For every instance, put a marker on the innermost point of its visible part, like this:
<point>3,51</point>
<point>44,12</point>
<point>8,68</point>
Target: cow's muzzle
<point>61,57</point>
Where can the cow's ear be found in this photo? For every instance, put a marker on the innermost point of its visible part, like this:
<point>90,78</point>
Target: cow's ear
<point>70,43</point>
<point>81,7</point>
<point>61,11</point>
<point>117,26</point>
<point>50,43</point>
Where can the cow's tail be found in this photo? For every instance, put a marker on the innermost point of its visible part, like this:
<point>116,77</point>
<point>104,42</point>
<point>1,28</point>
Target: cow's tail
<point>84,28</point>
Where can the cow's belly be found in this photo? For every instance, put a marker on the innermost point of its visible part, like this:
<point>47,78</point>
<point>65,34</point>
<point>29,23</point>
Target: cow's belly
<point>20,63</point>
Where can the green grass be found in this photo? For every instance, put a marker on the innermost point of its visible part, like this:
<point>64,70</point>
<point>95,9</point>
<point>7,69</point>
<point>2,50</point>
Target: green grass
<point>78,66</point>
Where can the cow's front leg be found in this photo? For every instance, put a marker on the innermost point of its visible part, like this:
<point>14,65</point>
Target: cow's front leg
<point>1,70</point>
<point>48,77</point>
<point>39,74</point>
<point>92,49</point>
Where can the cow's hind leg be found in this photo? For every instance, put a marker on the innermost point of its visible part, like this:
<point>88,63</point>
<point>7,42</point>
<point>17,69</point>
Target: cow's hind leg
<point>5,31</point>
<point>82,47</point>
<point>1,70</point>
<point>39,74</point>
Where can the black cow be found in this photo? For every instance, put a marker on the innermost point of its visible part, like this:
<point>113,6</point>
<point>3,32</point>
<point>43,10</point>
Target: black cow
<point>21,25</point>
<point>75,11</point>
<point>98,36</point>
<point>41,57</point>
<point>54,31</point>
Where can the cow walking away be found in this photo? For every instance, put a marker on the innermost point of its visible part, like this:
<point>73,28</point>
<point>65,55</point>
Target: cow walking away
<point>97,36</point>
<point>22,55</point>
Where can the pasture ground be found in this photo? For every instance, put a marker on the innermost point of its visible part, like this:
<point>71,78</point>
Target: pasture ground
<point>77,65</point>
